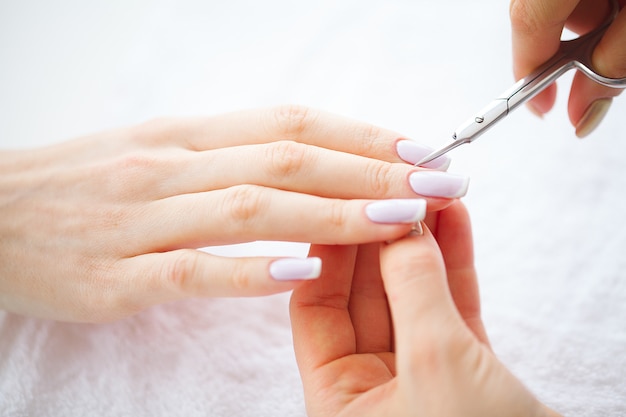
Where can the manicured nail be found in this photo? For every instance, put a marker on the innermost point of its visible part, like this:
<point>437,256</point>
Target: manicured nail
<point>412,152</point>
<point>396,211</point>
<point>296,269</point>
<point>593,116</point>
<point>439,184</point>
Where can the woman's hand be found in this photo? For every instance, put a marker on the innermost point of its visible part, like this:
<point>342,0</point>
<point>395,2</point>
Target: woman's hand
<point>409,344</point>
<point>537,27</point>
<point>103,226</point>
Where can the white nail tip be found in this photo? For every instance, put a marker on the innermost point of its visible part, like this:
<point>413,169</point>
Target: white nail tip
<point>288,269</point>
<point>396,211</point>
<point>439,184</point>
<point>413,152</point>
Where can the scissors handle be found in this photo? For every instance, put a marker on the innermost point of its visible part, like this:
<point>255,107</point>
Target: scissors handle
<point>575,53</point>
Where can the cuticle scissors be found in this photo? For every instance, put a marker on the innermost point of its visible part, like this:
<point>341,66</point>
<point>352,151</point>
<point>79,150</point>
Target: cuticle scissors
<point>574,53</point>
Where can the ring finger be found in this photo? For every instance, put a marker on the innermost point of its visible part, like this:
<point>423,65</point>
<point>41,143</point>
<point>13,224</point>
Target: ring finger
<point>248,213</point>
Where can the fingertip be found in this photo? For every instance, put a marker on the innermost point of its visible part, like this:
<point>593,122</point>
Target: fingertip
<point>543,102</point>
<point>592,117</point>
<point>589,102</point>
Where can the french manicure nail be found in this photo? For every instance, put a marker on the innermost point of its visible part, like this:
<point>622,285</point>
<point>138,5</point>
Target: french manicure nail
<point>593,116</point>
<point>439,184</point>
<point>296,269</point>
<point>396,211</point>
<point>412,152</point>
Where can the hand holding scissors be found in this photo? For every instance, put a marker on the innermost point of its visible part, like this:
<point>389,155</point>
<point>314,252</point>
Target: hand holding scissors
<point>576,53</point>
<point>536,31</point>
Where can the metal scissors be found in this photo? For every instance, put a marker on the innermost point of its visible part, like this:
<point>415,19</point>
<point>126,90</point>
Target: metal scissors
<point>575,53</point>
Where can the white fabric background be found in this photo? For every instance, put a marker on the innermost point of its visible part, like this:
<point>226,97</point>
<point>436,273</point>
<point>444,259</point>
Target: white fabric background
<point>547,208</point>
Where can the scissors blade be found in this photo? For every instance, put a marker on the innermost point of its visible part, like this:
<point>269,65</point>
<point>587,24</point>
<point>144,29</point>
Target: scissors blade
<point>436,154</point>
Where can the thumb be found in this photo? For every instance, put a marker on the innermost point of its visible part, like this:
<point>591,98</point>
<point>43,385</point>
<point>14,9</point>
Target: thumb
<point>414,275</point>
<point>589,101</point>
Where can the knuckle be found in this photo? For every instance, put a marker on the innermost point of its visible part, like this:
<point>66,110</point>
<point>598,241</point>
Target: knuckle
<point>285,158</point>
<point>291,120</point>
<point>610,62</point>
<point>240,279</point>
<point>152,129</point>
<point>333,300</point>
<point>518,15</point>
<point>178,272</point>
<point>336,216</point>
<point>529,16</point>
<point>370,140</point>
<point>379,175</point>
<point>132,173</point>
<point>137,162</point>
<point>244,203</point>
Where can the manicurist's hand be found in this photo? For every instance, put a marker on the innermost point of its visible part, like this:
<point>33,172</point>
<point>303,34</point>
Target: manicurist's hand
<point>537,27</point>
<point>103,226</point>
<point>410,343</point>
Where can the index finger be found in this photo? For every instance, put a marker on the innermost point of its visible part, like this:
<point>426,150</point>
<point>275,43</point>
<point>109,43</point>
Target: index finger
<point>294,123</point>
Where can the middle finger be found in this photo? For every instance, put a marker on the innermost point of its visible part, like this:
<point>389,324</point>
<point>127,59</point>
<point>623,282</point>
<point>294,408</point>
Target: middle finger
<point>309,169</point>
<point>249,213</point>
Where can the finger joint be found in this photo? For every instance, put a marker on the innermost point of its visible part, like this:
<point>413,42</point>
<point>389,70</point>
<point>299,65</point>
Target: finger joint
<point>291,121</point>
<point>285,158</point>
<point>244,203</point>
<point>379,176</point>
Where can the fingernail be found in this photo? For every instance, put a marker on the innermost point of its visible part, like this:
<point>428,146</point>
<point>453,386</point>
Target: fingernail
<point>396,211</point>
<point>412,152</point>
<point>439,184</point>
<point>296,269</point>
<point>593,116</point>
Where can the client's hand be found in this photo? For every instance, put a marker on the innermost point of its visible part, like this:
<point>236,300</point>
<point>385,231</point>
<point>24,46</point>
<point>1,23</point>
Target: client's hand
<point>413,347</point>
<point>103,226</point>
